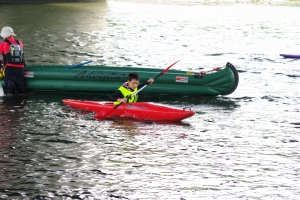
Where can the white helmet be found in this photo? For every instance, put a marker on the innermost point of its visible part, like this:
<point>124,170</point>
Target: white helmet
<point>6,32</point>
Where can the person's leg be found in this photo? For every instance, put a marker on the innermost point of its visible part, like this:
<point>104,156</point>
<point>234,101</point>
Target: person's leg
<point>20,80</point>
<point>9,82</point>
<point>21,85</point>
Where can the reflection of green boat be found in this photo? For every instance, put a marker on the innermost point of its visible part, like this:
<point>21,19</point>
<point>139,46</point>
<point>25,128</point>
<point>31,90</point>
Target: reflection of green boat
<point>106,79</point>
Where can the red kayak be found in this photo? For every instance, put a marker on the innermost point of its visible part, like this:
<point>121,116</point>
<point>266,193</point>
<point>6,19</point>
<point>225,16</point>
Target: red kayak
<point>139,110</point>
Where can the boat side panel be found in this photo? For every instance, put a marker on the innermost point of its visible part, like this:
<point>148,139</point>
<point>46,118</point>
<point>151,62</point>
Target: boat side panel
<point>108,79</point>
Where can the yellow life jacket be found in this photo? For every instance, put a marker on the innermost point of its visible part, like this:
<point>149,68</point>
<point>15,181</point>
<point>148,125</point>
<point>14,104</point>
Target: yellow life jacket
<point>128,94</point>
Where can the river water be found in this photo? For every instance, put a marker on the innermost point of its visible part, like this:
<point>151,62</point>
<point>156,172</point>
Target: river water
<point>241,146</point>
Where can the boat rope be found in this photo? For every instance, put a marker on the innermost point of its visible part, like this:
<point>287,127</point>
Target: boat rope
<point>187,108</point>
<point>207,72</point>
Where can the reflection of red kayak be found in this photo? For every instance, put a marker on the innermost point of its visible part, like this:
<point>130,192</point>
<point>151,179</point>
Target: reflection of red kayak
<point>290,56</point>
<point>139,110</point>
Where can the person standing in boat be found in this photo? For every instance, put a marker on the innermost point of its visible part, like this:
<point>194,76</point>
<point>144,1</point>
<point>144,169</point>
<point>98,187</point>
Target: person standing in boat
<point>13,61</point>
<point>124,93</point>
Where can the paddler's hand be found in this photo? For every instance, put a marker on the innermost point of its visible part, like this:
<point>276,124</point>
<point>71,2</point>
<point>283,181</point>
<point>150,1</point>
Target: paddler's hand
<point>151,80</point>
<point>122,100</point>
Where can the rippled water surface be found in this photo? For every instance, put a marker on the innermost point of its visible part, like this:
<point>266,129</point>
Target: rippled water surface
<point>241,146</point>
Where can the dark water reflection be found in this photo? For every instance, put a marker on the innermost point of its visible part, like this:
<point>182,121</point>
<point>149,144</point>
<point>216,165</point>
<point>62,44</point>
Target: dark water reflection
<point>50,32</point>
<point>241,146</point>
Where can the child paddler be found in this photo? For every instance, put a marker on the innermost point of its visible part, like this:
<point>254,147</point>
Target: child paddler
<point>124,93</point>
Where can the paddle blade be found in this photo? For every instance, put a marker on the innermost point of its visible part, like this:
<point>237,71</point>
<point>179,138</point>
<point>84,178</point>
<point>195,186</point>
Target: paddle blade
<point>104,114</point>
<point>100,116</point>
<point>169,67</point>
<point>1,91</point>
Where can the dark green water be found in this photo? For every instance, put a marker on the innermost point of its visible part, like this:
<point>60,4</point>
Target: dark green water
<point>241,146</point>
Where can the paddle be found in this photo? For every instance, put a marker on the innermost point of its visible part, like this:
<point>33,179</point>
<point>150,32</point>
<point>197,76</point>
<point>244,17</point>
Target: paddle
<point>1,91</point>
<point>1,76</point>
<point>102,115</point>
<point>78,65</point>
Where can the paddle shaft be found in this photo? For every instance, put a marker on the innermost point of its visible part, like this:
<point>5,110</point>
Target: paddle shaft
<point>162,73</point>
<point>78,65</point>
<point>1,91</point>
<point>1,88</point>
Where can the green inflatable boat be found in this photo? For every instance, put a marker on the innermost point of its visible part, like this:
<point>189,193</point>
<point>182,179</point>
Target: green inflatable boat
<point>107,79</point>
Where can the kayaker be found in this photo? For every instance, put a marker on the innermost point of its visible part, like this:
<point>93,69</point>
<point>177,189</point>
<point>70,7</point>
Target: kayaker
<point>13,61</point>
<point>128,88</point>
